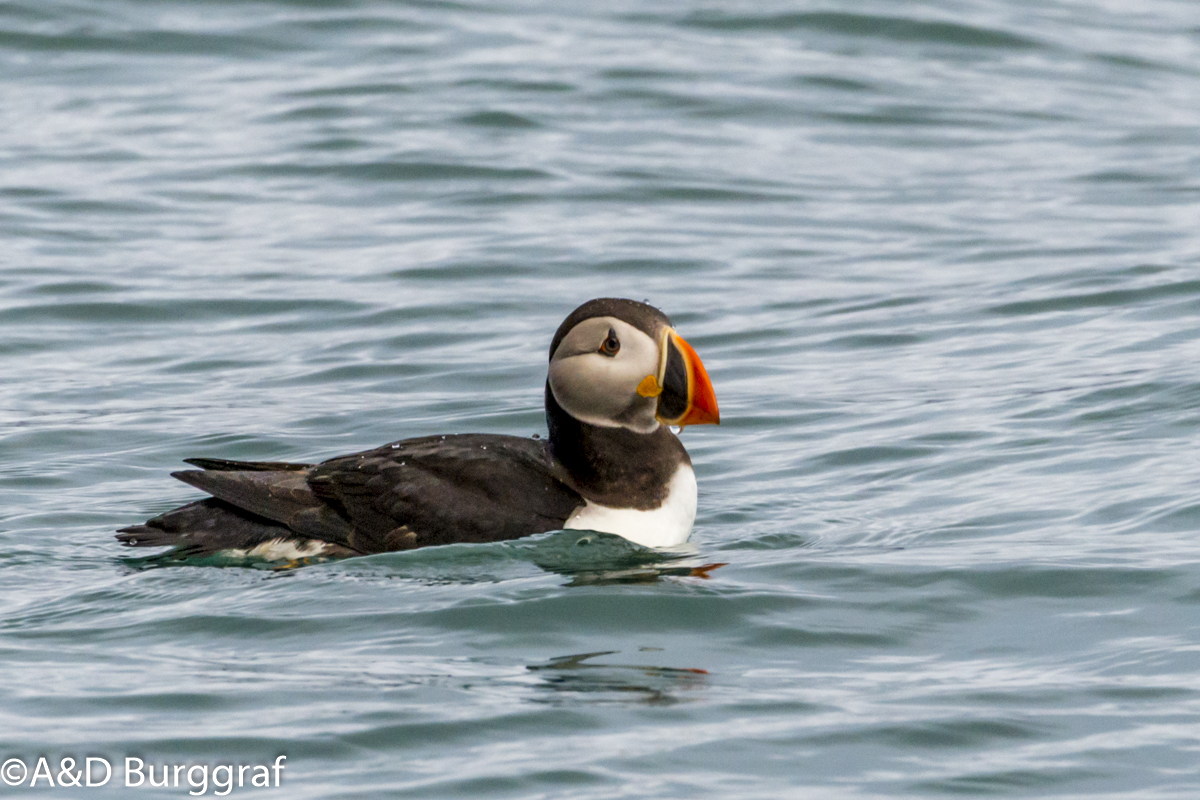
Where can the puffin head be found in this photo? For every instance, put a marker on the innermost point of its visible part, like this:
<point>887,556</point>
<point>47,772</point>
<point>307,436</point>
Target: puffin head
<point>620,364</point>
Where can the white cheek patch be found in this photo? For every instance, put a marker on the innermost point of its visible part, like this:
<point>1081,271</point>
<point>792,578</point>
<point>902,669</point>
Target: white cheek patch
<point>596,388</point>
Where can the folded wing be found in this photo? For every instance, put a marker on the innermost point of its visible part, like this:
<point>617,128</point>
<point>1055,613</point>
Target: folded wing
<point>412,493</point>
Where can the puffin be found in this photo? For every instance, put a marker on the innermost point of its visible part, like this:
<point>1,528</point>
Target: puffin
<point>619,379</point>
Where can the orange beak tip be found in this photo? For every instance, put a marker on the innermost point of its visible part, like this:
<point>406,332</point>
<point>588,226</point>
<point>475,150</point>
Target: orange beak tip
<point>702,400</point>
<point>704,409</point>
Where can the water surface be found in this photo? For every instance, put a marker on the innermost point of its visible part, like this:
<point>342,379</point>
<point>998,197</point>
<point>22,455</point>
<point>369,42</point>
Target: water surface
<point>940,259</point>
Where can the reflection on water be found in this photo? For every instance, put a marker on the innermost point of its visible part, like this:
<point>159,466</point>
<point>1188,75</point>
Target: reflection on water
<point>588,558</point>
<point>591,558</point>
<point>644,574</point>
<point>570,675</point>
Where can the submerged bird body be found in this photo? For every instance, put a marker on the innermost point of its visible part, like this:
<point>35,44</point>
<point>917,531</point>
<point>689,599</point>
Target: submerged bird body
<point>618,375</point>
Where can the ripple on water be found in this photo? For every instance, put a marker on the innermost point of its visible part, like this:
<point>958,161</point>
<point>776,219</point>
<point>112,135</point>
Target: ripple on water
<point>938,262</point>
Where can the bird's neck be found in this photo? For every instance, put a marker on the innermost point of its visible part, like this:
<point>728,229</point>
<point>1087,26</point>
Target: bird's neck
<point>614,466</point>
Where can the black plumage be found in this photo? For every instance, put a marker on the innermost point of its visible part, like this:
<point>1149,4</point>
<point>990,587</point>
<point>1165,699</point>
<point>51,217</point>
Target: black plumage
<point>412,493</point>
<point>620,468</point>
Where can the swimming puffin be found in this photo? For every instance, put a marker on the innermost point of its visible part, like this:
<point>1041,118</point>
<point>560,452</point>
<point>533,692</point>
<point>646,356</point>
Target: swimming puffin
<point>619,378</point>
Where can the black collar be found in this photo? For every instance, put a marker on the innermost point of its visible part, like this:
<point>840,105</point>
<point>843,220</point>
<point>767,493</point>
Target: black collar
<point>615,467</point>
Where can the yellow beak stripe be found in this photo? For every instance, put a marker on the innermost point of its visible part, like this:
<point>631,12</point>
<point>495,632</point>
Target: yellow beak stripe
<point>649,387</point>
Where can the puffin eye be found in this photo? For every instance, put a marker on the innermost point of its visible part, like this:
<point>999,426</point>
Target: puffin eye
<point>611,344</point>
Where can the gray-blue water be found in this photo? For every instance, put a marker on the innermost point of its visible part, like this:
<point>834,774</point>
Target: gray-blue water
<point>941,258</point>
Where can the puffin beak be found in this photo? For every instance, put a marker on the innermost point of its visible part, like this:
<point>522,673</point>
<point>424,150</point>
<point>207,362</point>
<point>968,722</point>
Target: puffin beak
<point>687,394</point>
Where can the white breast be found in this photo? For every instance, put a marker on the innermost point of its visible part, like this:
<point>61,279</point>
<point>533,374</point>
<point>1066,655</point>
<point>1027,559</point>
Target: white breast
<point>666,526</point>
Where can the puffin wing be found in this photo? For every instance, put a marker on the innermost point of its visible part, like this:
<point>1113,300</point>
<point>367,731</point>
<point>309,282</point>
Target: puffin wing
<point>445,489</point>
<point>210,526</point>
<point>412,493</point>
<point>253,503</point>
<point>281,496</point>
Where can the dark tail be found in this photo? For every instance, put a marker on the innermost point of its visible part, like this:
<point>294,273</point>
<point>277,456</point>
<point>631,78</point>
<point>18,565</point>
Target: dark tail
<point>222,465</point>
<point>203,527</point>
